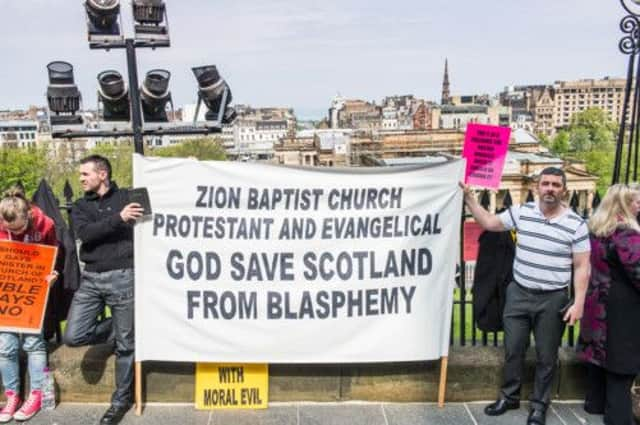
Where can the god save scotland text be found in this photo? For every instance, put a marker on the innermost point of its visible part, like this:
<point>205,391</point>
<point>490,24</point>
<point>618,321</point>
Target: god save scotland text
<point>246,267</point>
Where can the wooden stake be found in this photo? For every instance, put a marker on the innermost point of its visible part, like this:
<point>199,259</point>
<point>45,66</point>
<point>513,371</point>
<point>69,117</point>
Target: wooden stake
<point>443,380</point>
<point>138,389</point>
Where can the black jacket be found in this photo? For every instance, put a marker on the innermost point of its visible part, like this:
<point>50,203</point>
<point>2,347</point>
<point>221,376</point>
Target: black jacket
<point>623,315</point>
<point>494,271</point>
<point>107,241</point>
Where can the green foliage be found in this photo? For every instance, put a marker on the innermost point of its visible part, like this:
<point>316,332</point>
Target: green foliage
<point>579,140</point>
<point>592,129</point>
<point>120,156</point>
<point>590,138</point>
<point>560,143</point>
<point>544,139</point>
<point>22,165</point>
<point>55,162</point>
<point>61,167</point>
<point>204,149</point>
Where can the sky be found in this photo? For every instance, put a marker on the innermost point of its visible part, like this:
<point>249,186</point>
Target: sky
<point>301,53</point>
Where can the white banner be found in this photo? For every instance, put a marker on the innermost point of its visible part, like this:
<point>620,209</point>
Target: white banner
<point>258,263</point>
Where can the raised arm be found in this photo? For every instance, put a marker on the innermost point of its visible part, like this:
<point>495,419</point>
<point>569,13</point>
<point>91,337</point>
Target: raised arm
<point>485,219</point>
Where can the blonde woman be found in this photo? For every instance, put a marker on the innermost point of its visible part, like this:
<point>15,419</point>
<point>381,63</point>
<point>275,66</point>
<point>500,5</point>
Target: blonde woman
<point>23,222</point>
<point>609,340</point>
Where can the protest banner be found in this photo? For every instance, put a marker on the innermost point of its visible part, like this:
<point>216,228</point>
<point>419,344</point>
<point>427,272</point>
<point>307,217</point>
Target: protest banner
<point>257,263</point>
<point>232,386</point>
<point>485,148</point>
<point>23,286</point>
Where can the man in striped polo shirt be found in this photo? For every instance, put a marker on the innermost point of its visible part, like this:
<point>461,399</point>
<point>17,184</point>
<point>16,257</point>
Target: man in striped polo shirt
<point>552,241</point>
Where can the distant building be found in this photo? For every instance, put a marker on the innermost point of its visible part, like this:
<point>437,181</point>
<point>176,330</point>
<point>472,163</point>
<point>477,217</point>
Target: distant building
<point>457,117</point>
<point>547,108</point>
<point>326,148</point>
<point>475,99</point>
<point>355,114</point>
<point>426,116</point>
<point>255,131</point>
<point>544,122</point>
<point>397,112</point>
<point>522,100</point>
<point>456,111</point>
<point>18,134</point>
<point>30,114</point>
<point>525,141</point>
<point>576,96</point>
<point>415,143</point>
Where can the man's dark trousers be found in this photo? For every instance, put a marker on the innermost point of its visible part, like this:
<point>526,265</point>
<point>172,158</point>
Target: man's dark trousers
<point>529,310</point>
<point>115,289</point>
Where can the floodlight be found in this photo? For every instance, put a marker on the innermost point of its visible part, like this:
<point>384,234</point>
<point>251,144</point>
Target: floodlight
<point>151,22</point>
<point>63,96</point>
<point>148,11</point>
<point>103,13</point>
<point>114,96</point>
<point>102,23</point>
<point>215,93</point>
<point>155,95</point>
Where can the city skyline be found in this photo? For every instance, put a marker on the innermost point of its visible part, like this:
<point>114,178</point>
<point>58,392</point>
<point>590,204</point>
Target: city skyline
<point>301,54</point>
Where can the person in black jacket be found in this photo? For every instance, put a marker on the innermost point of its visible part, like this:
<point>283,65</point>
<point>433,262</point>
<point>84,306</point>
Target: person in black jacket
<point>103,221</point>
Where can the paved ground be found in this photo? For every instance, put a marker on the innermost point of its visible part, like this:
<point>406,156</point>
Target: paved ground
<point>318,414</point>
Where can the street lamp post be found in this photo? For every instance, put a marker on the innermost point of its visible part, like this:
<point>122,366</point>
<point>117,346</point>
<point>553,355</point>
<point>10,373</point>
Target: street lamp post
<point>629,45</point>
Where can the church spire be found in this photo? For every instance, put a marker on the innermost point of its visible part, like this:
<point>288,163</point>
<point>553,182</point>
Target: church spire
<point>445,84</point>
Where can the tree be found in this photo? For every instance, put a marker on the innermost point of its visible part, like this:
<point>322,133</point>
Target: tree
<point>58,163</point>
<point>544,139</point>
<point>580,140</point>
<point>22,165</point>
<point>590,138</point>
<point>61,166</point>
<point>120,154</point>
<point>592,129</point>
<point>560,143</point>
<point>601,164</point>
<point>204,149</point>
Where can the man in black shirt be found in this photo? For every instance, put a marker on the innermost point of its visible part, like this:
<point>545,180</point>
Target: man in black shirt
<point>103,220</point>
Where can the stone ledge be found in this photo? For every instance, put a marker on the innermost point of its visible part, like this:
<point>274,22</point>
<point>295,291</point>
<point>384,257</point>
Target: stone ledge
<point>474,373</point>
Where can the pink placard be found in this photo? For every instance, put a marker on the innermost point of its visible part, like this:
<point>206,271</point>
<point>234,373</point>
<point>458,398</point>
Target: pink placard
<point>485,147</point>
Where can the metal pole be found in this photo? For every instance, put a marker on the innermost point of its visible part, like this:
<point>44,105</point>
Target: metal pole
<point>134,93</point>
<point>623,123</point>
<point>633,135</point>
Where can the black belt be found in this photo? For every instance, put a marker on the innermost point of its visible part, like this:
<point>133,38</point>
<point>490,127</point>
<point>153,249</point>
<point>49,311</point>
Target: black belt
<point>538,291</point>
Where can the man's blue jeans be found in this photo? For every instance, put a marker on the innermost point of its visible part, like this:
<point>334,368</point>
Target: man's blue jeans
<point>113,288</point>
<point>36,349</point>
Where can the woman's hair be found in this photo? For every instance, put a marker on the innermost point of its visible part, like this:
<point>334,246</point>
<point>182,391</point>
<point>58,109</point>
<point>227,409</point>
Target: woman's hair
<point>14,205</point>
<point>614,211</point>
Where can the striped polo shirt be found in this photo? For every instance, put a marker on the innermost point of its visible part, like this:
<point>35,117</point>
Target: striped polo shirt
<point>545,247</point>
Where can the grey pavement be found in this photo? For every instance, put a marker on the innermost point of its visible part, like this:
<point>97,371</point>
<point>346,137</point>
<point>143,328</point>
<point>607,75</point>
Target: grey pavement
<point>351,413</point>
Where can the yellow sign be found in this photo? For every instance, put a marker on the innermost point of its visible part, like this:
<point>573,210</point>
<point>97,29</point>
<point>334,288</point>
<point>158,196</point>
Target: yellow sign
<point>232,386</point>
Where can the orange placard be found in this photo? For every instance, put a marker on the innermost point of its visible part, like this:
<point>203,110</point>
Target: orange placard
<point>23,286</point>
